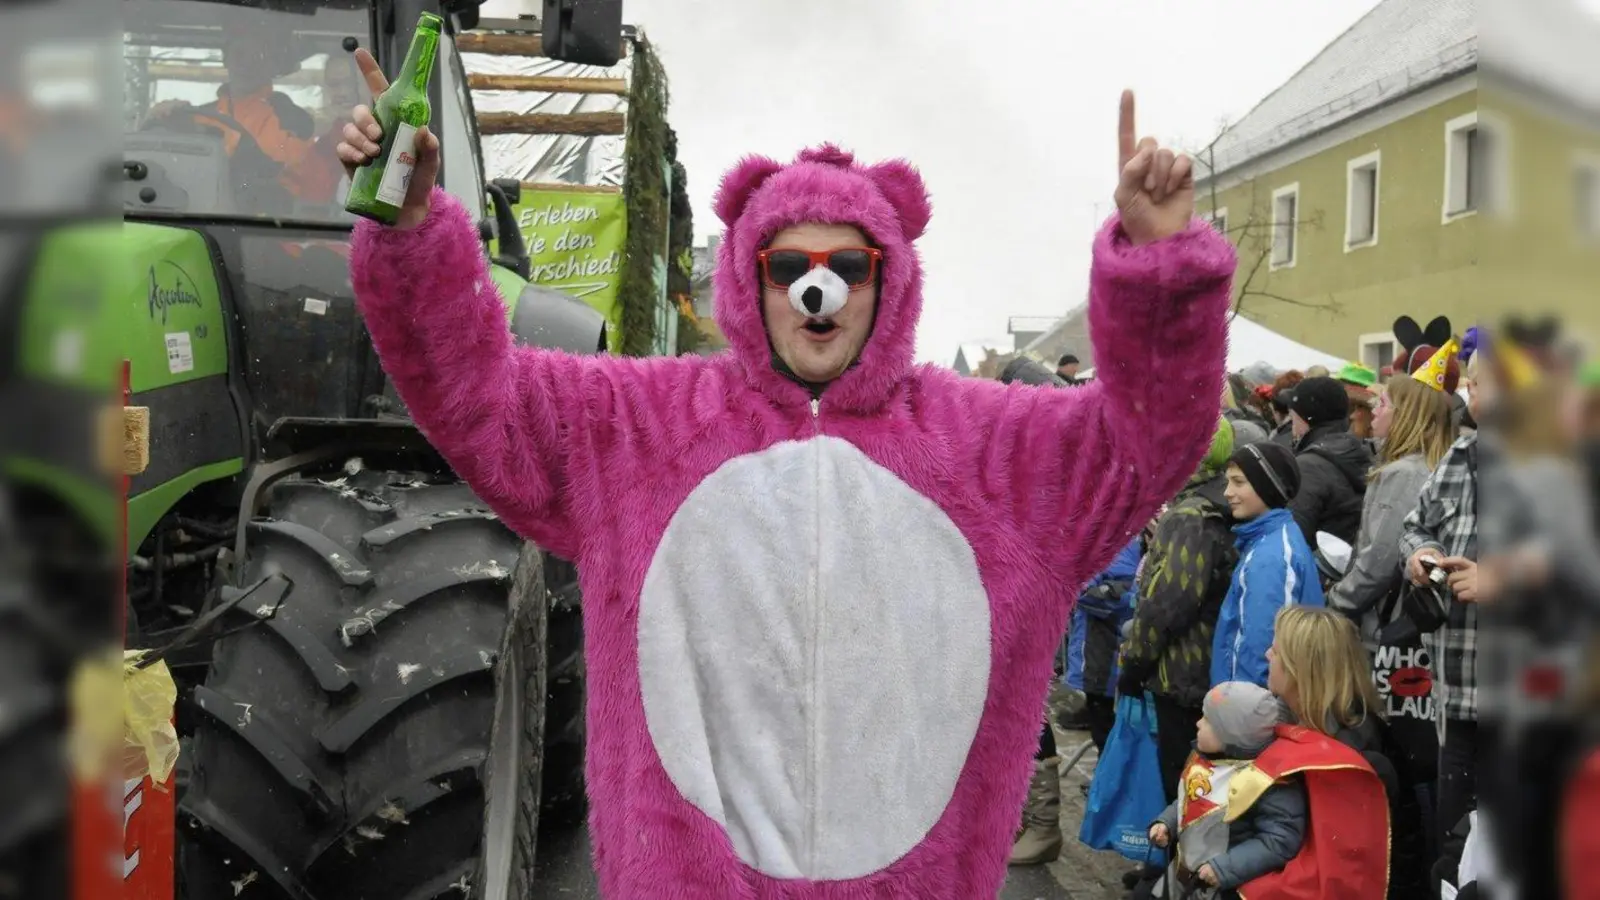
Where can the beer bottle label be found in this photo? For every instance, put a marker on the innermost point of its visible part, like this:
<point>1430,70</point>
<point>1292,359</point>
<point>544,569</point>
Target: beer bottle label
<point>397,171</point>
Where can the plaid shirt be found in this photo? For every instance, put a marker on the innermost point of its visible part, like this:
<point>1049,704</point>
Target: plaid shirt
<point>1446,519</point>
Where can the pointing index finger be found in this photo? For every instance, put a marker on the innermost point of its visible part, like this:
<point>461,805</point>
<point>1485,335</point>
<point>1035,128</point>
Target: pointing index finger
<point>373,75</point>
<point>1126,133</point>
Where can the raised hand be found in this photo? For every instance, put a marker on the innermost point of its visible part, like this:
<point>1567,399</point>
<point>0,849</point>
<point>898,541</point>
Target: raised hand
<point>1155,191</point>
<point>360,145</point>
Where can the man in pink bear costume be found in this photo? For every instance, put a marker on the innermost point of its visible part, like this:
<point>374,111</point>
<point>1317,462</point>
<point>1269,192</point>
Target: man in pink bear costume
<point>822,586</point>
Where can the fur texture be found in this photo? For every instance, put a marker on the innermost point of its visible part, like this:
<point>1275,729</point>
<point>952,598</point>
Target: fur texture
<point>591,457</point>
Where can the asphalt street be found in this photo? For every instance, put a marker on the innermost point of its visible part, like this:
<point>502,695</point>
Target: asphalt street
<point>565,871</point>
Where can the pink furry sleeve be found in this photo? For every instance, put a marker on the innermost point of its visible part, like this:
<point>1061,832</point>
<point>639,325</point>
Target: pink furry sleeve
<point>1090,466</point>
<point>496,412</point>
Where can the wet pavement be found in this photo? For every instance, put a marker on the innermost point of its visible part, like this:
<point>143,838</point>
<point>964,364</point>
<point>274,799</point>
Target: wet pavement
<point>566,870</point>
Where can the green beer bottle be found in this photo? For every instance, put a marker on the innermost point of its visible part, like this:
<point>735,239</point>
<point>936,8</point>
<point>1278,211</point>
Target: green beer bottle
<point>378,188</point>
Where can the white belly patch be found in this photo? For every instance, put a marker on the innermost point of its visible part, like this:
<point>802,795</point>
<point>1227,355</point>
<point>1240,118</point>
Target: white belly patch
<point>814,658</point>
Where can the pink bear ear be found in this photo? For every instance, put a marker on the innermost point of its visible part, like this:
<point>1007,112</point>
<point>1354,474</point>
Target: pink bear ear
<point>903,188</point>
<point>740,182</point>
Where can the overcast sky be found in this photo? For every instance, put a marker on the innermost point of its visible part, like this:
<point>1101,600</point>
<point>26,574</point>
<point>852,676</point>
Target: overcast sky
<point>1008,107</point>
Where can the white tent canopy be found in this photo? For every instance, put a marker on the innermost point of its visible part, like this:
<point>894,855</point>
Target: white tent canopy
<point>1250,343</point>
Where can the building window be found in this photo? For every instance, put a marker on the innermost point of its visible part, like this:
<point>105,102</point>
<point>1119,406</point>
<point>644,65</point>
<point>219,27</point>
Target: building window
<point>1376,350</point>
<point>1219,221</point>
<point>1285,214</point>
<point>1586,197</point>
<point>1475,174</point>
<point>1361,202</point>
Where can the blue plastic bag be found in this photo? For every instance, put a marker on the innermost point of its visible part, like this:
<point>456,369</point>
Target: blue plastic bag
<point>1125,795</point>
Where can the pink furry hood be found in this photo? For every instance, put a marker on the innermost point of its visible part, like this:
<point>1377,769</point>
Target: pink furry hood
<point>760,197</point>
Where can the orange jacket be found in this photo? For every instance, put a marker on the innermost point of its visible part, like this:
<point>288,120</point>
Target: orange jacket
<point>311,170</point>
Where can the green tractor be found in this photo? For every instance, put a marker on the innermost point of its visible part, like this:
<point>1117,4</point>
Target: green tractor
<point>381,686</point>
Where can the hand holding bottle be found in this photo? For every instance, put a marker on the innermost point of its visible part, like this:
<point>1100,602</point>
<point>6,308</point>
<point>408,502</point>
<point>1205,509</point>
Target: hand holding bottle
<point>362,140</point>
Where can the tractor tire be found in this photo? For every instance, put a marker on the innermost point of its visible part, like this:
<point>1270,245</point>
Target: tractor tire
<point>34,832</point>
<point>341,744</point>
<point>56,581</point>
<point>531,777</point>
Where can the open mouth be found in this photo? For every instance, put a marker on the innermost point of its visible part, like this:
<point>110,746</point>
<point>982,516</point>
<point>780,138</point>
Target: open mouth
<point>821,327</point>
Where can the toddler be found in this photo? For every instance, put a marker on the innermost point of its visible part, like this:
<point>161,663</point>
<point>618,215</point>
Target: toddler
<point>1233,822</point>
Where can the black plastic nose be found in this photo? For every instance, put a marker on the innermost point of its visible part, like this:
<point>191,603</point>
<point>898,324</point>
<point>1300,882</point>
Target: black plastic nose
<point>812,298</point>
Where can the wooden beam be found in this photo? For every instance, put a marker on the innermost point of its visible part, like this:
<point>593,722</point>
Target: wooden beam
<point>501,44</point>
<point>177,71</point>
<point>513,44</point>
<point>589,124</point>
<point>558,188</point>
<point>549,84</point>
<point>519,25</point>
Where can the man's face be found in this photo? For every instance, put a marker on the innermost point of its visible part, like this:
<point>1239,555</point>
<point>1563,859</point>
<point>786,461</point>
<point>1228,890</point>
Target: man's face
<point>1242,498</point>
<point>1068,370</point>
<point>818,349</point>
<point>1298,425</point>
<point>248,59</point>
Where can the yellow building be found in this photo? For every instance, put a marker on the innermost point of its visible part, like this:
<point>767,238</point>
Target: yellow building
<point>1394,174</point>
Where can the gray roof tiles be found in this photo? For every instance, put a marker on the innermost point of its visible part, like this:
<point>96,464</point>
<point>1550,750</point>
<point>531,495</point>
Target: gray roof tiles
<point>1400,46</point>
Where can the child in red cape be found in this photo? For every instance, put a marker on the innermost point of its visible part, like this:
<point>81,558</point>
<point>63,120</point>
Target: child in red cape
<point>1346,849</point>
<point>1301,815</point>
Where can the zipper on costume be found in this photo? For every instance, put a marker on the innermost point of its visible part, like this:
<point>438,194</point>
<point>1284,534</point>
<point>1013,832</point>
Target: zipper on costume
<point>812,750</point>
<point>816,413</point>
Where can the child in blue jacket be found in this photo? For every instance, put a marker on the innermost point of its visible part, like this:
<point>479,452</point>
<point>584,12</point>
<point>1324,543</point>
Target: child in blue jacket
<point>1276,567</point>
<point>1097,619</point>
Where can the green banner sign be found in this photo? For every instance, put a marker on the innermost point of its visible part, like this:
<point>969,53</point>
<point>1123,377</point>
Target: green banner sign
<point>575,242</point>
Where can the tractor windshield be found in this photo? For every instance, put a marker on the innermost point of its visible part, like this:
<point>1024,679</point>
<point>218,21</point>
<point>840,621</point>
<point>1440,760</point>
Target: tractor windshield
<point>234,109</point>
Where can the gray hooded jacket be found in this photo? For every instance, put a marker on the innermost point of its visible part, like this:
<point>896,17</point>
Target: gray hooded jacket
<point>1376,569</point>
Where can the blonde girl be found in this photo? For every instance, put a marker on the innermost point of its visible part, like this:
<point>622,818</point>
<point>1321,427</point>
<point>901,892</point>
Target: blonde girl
<point>1417,422</point>
<point>1416,425</point>
<point>1318,668</point>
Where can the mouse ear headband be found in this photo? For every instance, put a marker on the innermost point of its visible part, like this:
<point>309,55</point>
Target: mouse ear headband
<point>1420,345</point>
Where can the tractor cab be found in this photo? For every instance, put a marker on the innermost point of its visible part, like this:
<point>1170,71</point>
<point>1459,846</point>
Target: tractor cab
<point>232,109</point>
<point>296,550</point>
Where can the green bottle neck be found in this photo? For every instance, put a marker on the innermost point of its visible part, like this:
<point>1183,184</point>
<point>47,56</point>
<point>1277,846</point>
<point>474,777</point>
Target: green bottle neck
<point>418,67</point>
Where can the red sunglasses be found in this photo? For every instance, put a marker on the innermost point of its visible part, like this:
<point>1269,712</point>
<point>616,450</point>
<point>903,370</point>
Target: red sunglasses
<point>856,266</point>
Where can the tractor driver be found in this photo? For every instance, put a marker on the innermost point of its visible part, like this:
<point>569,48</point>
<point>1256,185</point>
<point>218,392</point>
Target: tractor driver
<point>282,140</point>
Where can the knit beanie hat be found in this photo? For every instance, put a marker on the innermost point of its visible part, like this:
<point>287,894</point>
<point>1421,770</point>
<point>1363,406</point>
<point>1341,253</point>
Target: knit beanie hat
<point>1271,469</point>
<point>1320,400</point>
<point>1243,716</point>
